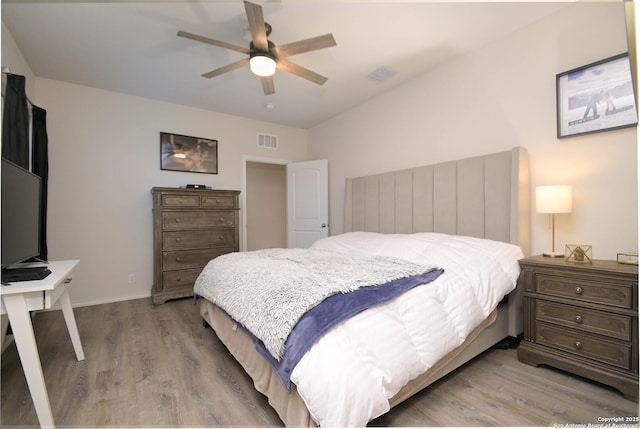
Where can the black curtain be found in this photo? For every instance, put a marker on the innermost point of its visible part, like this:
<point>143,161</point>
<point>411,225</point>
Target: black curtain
<point>15,122</point>
<point>40,166</point>
<point>16,145</point>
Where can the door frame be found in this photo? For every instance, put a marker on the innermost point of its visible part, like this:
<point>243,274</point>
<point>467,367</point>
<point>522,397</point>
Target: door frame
<point>243,193</point>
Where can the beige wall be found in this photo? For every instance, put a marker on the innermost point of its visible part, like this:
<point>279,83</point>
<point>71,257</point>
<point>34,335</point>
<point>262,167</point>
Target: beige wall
<point>499,97</point>
<point>266,201</point>
<point>104,157</point>
<point>12,58</point>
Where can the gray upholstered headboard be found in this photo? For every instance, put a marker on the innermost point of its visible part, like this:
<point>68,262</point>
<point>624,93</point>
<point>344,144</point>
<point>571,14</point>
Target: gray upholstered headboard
<point>485,196</point>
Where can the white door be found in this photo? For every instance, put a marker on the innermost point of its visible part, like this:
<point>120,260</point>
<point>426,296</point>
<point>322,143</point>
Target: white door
<point>307,202</point>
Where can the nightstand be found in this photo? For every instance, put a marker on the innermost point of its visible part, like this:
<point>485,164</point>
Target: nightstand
<point>582,319</point>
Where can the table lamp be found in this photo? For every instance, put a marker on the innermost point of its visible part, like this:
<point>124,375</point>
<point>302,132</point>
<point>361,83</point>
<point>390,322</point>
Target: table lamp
<point>553,200</point>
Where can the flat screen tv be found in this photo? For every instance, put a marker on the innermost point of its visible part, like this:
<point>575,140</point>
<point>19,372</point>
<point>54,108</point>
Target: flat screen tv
<point>20,212</point>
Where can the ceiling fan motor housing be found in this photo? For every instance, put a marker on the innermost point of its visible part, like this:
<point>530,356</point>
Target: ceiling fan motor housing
<point>270,53</point>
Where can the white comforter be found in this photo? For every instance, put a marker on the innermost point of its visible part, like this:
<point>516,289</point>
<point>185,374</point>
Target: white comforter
<point>348,376</point>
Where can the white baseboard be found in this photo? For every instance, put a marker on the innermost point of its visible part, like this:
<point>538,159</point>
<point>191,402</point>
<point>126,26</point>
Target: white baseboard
<point>111,300</point>
<point>102,301</point>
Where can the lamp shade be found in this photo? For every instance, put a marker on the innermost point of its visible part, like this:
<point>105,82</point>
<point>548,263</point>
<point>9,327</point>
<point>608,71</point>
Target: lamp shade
<point>554,199</point>
<point>262,65</point>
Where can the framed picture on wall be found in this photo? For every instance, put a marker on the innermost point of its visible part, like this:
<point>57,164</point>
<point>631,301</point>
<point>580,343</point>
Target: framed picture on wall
<point>596,97</point>
<point>185,153</point>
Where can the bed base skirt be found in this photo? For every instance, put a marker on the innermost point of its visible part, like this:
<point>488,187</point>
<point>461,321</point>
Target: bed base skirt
<point>291,407</point>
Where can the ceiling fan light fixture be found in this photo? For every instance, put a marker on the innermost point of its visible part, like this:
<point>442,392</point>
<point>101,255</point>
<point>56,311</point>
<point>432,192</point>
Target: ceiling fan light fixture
<point>262,65</point>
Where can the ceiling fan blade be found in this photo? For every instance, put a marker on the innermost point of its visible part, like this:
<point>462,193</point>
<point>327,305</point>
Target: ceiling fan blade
<point>256,26</point>
<point>307,45</point>
<point>267,85</point>
<point>300,71</point>
<point>213,42</point>
<point>227,68</point>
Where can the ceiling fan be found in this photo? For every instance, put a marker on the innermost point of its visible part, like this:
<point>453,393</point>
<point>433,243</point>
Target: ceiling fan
<point>264,56</point>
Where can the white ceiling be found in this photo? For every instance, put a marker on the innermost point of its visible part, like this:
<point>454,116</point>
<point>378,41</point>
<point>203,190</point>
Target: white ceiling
<point>132,47</point>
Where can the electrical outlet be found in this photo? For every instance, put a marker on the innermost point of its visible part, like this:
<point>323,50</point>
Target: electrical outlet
<point>132,278</point>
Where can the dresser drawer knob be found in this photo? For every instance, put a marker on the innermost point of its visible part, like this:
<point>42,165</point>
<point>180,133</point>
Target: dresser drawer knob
<point>178,279</point>
<point>178,259</point>
<point>578,290</point>
<point>177,220</point>
<point>218,201</point>
<point>178,240</point>
<point>221,238</point>
<point>577,345</point>
<point>221,219</point>
<point>578,319</point>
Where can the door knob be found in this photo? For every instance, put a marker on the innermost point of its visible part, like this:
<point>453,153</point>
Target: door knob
<point>324,225</point>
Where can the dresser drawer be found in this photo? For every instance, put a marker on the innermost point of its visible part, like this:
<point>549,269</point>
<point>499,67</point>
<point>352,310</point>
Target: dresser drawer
<point>607,351</point>
<point>197,239</point>
<point>176,200</point>
<point>183,259</point>
<point>583,290</point>
<point>179,279</point>
<point>198,219</point>
<point>598,322</point>
<point>218,202</point>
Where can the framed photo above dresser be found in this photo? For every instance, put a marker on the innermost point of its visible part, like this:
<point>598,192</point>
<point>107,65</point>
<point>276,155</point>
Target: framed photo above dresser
<point>190,154</point>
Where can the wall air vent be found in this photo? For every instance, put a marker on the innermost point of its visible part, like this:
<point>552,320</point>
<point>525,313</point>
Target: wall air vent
<point>267,141</point>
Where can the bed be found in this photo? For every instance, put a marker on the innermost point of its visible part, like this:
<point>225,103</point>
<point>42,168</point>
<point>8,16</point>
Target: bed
<point>477,207</point>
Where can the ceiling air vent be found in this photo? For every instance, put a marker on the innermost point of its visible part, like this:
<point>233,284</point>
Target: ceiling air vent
<point>267,141</point>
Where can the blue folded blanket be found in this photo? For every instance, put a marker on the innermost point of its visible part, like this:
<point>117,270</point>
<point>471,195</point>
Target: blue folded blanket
<point>330,312</point>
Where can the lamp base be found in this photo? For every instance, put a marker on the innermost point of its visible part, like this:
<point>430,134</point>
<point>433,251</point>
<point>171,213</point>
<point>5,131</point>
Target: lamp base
<point>553,254</point>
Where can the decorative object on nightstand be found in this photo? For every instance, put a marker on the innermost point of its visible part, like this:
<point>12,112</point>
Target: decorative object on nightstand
<point>553,200</point>
<point>191,227</point>
<point>582,318</point>
<point>578,253</point>
<point>628,258</point>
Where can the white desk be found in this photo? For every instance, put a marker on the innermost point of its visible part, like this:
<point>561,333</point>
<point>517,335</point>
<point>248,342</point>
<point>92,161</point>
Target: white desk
<point>17,300</point>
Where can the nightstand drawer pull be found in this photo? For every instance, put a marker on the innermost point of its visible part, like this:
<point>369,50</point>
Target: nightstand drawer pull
<point>578,345</point>
<point>578,290</point>
<point>578,319</point>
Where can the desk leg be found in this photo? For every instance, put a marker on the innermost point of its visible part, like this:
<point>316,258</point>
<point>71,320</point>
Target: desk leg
<point>20,320</point>
<point>70,319</point>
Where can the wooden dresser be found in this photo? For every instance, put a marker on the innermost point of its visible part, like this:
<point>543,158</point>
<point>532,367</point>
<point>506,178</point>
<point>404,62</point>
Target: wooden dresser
<point>191,227</point>
<point>582,319</point>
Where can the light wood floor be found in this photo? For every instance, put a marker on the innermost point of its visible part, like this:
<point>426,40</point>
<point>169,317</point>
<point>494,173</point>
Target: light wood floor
<point>157,366</point>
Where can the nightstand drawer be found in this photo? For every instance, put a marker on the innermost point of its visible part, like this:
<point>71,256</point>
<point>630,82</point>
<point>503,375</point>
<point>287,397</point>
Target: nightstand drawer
<point>584,290</point>
<point>607,351</point>
<point>598,322</point>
